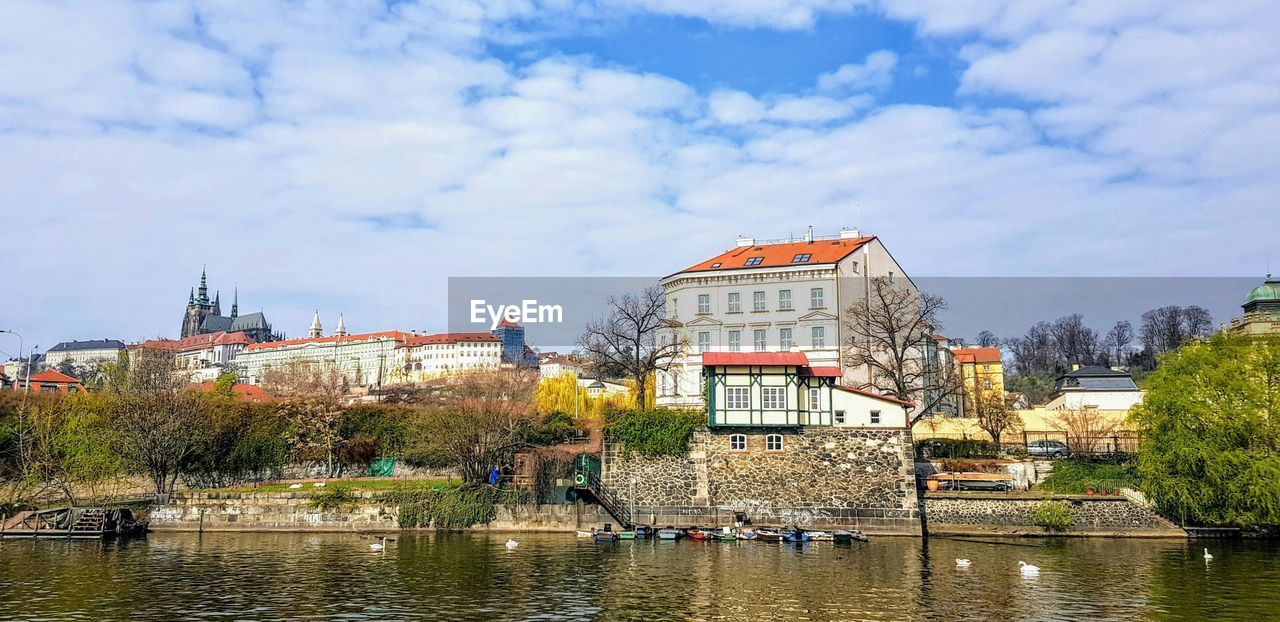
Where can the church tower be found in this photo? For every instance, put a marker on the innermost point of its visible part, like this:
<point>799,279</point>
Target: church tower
<point>342,328</point>
<point>315,330</point>
<point>198,307</point>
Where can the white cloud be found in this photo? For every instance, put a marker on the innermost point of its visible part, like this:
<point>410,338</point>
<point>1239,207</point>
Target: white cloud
<point>876,71</point>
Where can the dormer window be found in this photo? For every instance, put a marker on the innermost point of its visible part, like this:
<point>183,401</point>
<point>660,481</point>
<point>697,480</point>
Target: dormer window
<point>715,265</point>
<point>754,261</point>
<point>801,258</point>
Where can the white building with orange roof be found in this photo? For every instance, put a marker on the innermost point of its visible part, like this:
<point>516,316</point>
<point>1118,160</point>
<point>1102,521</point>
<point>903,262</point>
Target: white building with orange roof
<point>770,296</point>
<point>420,358</point>
<point>204,356</point>
<point>364,359</point>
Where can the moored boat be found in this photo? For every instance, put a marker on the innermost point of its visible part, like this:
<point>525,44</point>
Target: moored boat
<point>585,534</point>
<point>847,537</point>
<point>606,536</point>
<point>727,535</point>
<point>626,535</point>
<point>701,534</point>
<point>795,535</point>
<point>820,536</point>
<point>670,533</point>
<point>768,535</point>
<point>747,534</point>
<point>643,532</point>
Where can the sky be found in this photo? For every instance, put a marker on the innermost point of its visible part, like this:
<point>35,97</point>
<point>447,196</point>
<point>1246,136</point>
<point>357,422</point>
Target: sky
<point>352,156</point>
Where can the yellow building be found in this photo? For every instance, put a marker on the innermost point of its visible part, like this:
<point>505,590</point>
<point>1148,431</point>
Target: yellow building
<point>982,372</point>
<point>1261,310</point>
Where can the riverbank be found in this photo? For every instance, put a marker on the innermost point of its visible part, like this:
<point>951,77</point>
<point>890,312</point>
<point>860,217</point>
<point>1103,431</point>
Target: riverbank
<point>1014,514</point>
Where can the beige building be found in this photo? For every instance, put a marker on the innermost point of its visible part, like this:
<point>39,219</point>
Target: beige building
<point>1261,310</point>
<point>423,357</point>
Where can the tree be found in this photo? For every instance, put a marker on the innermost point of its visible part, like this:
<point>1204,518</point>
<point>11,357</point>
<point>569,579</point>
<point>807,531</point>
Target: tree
<point>306,380</point>
<point>487,418</point>
<point>891,334</point>
<point>1074,341</point>
<point>1166,328</point>
<point>1086,429</point>
<point>626,340</point>
<point>987,339</point>
<point>313,430</point>
<point>994,416</point>
<point>1034,353</point>
<point>1210,425</point>
<point>157,421</point>
<point>1117,342</point>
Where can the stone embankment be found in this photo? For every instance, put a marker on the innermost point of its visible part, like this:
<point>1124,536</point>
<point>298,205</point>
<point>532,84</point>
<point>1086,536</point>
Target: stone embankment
<point>969,513</point>
<point>267,511</point>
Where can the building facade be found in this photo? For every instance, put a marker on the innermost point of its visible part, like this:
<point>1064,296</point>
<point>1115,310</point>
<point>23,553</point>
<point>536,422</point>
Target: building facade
<point>362,359</point>
<point>204,315</point>
<point>770,296</point>
<point>84,353</point>
<point>981,372</point>
<point>1096,387</point>
<point>421,358</point>
<point>1261,310</point>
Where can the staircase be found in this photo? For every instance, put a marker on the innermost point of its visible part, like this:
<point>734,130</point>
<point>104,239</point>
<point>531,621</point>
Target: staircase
<point>92,520</point>
<point>605,497</point>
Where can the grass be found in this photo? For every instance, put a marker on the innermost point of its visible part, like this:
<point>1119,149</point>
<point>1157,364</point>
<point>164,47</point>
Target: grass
<point>1075,477</point>
<point>372,485</point>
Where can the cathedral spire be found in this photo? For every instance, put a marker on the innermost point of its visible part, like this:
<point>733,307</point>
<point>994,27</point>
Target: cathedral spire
<point>191,299</point>
<point>235,302</point>
<point>342,328</point>
<point>316,330</point>
<point>204,287</point>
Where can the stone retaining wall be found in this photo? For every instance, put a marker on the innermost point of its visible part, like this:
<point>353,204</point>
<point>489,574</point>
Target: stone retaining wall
<point>823,477</point>
<point>955,511</point>
<point>261,511</point>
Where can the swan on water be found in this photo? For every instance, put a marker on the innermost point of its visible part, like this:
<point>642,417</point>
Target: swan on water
<point>1207,556</point>
<point>511,544</point>
<point>963,563</point>
<point>378,546</point>
<point>1028,569</point>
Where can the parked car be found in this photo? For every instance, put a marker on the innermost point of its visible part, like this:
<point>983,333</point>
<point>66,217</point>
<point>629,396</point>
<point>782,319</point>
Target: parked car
<point>1048,449</point>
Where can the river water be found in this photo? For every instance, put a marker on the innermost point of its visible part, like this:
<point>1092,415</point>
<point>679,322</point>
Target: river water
<point>298,576</point>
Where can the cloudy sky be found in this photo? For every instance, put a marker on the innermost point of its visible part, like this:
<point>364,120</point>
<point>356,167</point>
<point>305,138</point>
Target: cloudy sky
<point>352,155</point>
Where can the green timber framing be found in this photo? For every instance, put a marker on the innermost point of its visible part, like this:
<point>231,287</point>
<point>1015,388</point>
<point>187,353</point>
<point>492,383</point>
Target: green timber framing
<point>755,411</point>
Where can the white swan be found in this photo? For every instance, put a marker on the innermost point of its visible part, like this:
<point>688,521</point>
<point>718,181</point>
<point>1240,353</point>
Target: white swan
<point>963,563</point>
<point>378,546</point>
<point>1207,556</point>
<point>294,486</point>
<point>511,544</point>
<point>318,484</point>
<point>1028,570</point>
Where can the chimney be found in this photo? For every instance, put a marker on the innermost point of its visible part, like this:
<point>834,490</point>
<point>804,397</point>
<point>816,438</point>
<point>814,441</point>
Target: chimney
<point>744,241</point>
<point>1075,367</point>
<point>808,236</point>
<point>849,234</point>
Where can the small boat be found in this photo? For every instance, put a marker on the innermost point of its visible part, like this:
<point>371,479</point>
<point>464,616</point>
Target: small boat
<point>726,535</point>
<point>768,535</point>
<point>643,532</point>
<point>586,534</point>
<point>820,536</point>
<point>670,533</point>
<point>702,534</point>
<point>796,535</point>
<point>747,534</point>
<point>848,537</point>
<point>606,536</point>
<point>626,535</point>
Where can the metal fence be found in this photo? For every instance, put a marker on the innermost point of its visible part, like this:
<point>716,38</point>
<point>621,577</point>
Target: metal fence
<point>1119,442</point>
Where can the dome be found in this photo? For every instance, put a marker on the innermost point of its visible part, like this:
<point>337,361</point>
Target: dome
<point>1269,291</point>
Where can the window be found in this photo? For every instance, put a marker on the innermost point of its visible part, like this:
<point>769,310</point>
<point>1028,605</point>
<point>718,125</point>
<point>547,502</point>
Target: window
<point>890,276</point>
<point>875,416</point>
<point>735,302</point>
<point>757,301</point>
<point>754,261</point>
<point>737,442</point>
<point>784,300</point>
<point>816,298</point>
<point>784,336</point>
<point>715,265</point>
<point>758,341</point>
<point>815,399</point>
<point>801,258</point>
<point>737,398</point>
<point>704,303</point>
<point>735,340</point>
<point>819,334</point>
<point>773,398</point>
<point>839,417</point>
<point>986,383</point>
<point>855,267</point>
<point>773,442</point>
<point>704,342</point>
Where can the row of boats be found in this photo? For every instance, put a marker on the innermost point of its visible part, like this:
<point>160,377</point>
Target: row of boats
<point>726,534</point>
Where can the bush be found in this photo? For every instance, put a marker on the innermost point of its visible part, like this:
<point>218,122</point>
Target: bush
<point>956,448</point>
<point>952,465</point>
<point>1053,516</point>
<point>336,498</point>
<point>1076,476</point>
<point>453,508</point>
<point>658,432</point>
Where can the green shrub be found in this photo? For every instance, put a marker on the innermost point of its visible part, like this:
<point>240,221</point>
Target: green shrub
<point>453,508</point>
<point>956,448</point>
<point>1053,516</point>
<point>1076,476</point>
<point>952,465</point>
<point>658,432</point>
<point>336,498</point>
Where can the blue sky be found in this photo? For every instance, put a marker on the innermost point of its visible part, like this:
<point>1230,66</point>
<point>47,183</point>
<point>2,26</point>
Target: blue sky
<point>351,156</point>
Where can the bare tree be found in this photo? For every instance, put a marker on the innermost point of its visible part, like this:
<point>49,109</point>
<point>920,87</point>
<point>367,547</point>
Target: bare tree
<point>485,420</point>
<point>891,334</point>
<point>1165,329</point>
<point>157,420</point>
<point>1074,340</point>
<point>1118,340</point>
<point>1034,353</point>
<point>993,415</point>
<point>1085,428</point>
<point>306,379</point>
<point>987,339</point>
<point>627,339</point>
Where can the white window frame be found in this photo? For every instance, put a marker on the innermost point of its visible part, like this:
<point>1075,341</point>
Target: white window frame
<point>704,303</point>
<point>737,398</point>
<point>735,341</point>
<point>839,417</point>
<point>757,302</point>
<point>785,339</point>
<point>759,337</point>
<point>737,442</point>
<point>815,399</point>
<point>784,300</point>
<point>735,302</point>
<point>817,298</point>
<point>818,336</point>
<point>704,342</point>
<point>773,398</point>
<point>773,443</point>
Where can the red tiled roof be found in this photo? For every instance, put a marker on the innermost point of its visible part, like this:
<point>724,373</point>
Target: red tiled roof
<point>821,372</point>
<point>386,334</point>
<point>53,375</point>
<point>775,255</point>
<point>876,396</point>
<point>507,323</point>
<point>423,340</point>
<point>156,344</point>
<point>196,342</point>
<point>712,359</point>
<point>977,355</point>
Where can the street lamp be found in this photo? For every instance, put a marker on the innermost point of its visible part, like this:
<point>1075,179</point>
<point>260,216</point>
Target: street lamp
<point>20,344</point>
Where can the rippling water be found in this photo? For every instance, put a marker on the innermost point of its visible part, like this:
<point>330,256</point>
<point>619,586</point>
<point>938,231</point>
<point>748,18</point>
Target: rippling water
<point>555,577</point>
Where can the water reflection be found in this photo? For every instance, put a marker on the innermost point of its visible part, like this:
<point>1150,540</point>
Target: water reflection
<point>550,577</point>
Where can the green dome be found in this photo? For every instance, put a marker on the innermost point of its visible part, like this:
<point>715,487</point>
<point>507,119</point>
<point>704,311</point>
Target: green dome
<point>1267,292</point>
